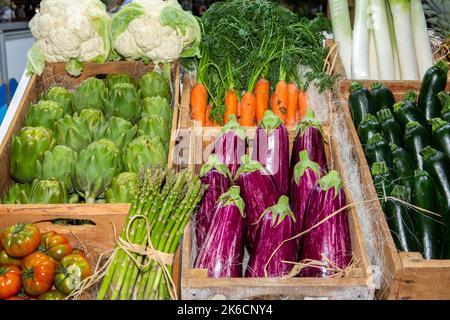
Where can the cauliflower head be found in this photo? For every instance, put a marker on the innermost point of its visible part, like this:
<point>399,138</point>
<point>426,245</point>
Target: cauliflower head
<point>67,29</point>
<point>156,30</point>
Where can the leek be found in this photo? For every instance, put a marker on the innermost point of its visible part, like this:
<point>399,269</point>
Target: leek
<point>401,15</point>
<point>380,27</point>
<point>393,42</point>
<point>342,32</point>
<point>374,68</point>
<point>360,43</point>
<point>421,39</point>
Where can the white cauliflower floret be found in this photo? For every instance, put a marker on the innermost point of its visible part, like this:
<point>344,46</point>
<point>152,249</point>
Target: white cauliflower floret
<point>126,45</point>
<point>64,30</point>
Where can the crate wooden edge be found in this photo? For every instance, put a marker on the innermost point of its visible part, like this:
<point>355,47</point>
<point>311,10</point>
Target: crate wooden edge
<point>400,264</point>
<point>195,279</point>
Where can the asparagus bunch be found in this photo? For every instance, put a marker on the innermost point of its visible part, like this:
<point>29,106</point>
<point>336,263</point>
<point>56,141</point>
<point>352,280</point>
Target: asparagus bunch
<point>167,199</point>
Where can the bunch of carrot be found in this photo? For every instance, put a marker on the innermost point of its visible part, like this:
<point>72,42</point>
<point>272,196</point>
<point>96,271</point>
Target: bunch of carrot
<point>287,101</point>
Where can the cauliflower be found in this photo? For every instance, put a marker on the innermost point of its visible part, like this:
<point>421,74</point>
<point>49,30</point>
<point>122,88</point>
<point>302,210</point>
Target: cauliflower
<point>154,30</point>
<point>67,29</point>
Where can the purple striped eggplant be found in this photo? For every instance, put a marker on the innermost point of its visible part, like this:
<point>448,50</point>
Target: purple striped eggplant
<point>309,136</point>
<point>271,149</point>
<point>276,225</point>
<point>231,145</point>
<point>304,179</point>
<point>223,249</point>
<point>329,242</point>
<point>259,193</point>
<point>217,177</point>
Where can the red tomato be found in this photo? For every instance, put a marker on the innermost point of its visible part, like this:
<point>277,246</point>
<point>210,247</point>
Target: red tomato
<point>38,271</point>
<point>9,281</point>
<point>20,239</point>
<point>55,245</point>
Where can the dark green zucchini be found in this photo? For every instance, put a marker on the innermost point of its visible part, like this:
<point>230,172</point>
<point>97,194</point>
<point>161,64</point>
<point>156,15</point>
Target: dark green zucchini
<point>378,150</point>
<point>437,164</point>
<point>416,138</point>
<point>391,129</point>
<point>399,219</point>
<point>382,96</point>
<point>406,111</point>
<point>426,225</point>
<point>441,135</point>
<point>368,127</point>
<point>433,82</point>
<point>403,167</point>
<point>361,102</point>
<point>382,180</point>
<point>444,98</point>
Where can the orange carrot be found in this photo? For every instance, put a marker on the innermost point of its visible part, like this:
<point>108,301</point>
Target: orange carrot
<point>277,107</point>
<point>199,101</point>
<point>209,121</point>
<point>248,109</point>
<point>231,103</point>
<point>239,112</point>
<point>282,91</point>
<point>302,103</point>
<point>292,103</point>
<point>262,92</point>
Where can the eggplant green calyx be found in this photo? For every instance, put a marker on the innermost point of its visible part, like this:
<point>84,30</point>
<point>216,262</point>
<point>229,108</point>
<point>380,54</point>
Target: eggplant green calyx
<point>233,197</point>
<point>308,121</point>
<point>428,152</point>
<point>214,163</point>
<point>412,124</point>
<point>393,146</point>
<point>398,105</point>
<point>377,137</point>
<point>280,211</point>
<point>437,123</point>
<point>410,96</point>
<point>331,180</point>
<point>355,86</point>
<point>249,165</point>
<point>233,125</point>
<point>399,192</point>
<point>377,85</point>
<point>304,164</point>
<point>368,118</point>
<point>420,173</point>
<point>379,168</point>
<point>443,66</point>
<point>270,122</point>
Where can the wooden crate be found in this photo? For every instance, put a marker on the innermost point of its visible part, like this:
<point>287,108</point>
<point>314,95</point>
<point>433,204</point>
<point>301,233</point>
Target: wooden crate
<point>99,237</point>
<point>55,75</point>
<point>195,284</point>
<point>408,275</point>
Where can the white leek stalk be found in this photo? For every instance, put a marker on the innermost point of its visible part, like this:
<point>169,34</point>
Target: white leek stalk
<point>373,61</point>
<point>421,39</point>
<point>380,26</point>
<point>401,15</point>
<point>393,42</point>
<point>360,43</point>
<point>342,32</point>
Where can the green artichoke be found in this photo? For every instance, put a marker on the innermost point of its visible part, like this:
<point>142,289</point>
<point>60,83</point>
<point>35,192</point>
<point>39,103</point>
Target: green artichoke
<point>58,164</point>
<point>28,147</point>
<point>17,194</point>
<point>73,132</point>
<point>154,126</point>
<point>44,114</point>
<point>154,84</point>
<point>157,106</point>
<point>97,165</point>
<point>113,79</point>
<point>74,198</point>
<point>62,96</point>
<point>143,152</point>
<point>118,130</point>
<point>89,94</point>
<point>48,192</point>
<point>123,101</point>
<point>123,188</point>
<point>94,118</point>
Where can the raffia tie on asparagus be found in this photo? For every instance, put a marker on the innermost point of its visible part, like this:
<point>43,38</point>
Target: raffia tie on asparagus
<point>161,209</point>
